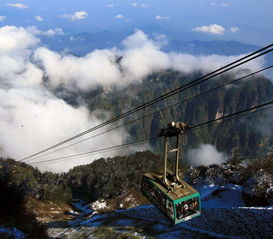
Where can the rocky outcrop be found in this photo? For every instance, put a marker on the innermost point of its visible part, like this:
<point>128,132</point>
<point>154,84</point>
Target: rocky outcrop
<point>256,180</point>
<point>230,171</point>
<point>258,190</point>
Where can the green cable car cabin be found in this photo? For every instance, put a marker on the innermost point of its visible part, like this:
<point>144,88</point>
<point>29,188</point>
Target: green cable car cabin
<point>175,198</point>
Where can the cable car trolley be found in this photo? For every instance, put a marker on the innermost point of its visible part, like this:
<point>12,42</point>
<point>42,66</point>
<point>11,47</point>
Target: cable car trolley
<point>176,199</point>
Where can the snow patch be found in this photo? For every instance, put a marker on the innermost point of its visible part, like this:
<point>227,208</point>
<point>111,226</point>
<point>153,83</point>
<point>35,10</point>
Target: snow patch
<point>12,232</point>
<point>99,205</point>
<point>82,207</point>
<point>227,196</point>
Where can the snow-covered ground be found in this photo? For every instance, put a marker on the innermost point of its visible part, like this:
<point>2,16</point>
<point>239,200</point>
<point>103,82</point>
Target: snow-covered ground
<point>11,233</point>
<point>224,215</point>
<point>82,207</point>
<point>227,196</point>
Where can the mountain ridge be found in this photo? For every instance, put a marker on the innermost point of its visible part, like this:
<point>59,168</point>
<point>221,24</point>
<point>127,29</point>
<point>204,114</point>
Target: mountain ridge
<point>245,134</point>
<point>82,43</point>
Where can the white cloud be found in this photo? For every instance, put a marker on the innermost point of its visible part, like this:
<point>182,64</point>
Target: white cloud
<point>212,29</point>
<point>15,39</point>
<point>143,5</point>
<point>120,16</point>
<point>141,55</point>
<point>76,16</point>
<point>138,40</point>
<point>39,18</point>
<point>28,104</point>
<point>225,4</point>
<point>17,5</point>
<point>2,18</point>
<point>234,29</point>
<point>73,38</point>
<point>49,33</point>
<point>221,4</point>
<point>96,68</point>
<point>110,5</point>
<point>162,17</point>
<point>31,117</point>
<point>205,155</point>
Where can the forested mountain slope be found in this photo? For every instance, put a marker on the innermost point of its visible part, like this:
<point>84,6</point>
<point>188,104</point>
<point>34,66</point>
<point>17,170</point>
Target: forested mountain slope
<point>246,132</point>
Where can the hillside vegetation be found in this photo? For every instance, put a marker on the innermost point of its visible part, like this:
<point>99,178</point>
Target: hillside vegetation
<point>246,133</point>
<point>27,193</point>
<point>110,178</point>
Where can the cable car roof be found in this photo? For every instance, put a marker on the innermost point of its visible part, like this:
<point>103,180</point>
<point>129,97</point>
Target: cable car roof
<point>176,193</point>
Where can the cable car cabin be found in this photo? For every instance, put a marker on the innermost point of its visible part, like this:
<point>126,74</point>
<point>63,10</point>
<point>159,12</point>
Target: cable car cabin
<point>176,199</point>
<point>178,205</point>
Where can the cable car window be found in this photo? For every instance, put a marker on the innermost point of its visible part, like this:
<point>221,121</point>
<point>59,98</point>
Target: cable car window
<point>159,197</point>
<point>187,208</point>
<point>169,207</point>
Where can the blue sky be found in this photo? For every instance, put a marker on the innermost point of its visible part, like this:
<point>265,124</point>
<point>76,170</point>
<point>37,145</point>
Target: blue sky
<point>248,21</point>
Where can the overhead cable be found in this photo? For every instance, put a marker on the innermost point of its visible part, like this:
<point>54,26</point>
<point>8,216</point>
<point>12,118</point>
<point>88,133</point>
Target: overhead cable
<point>152,113</point>
<point>195,82</point>
<point>206,123</point>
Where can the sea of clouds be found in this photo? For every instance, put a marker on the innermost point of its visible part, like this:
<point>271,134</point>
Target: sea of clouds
<point>33,117</point>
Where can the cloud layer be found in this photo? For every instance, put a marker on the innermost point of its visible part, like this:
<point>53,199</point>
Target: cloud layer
<point>32,117</point>
<point>139,57</point>
<point>39,18</point>
<point>212,29</point>
<point>143,5</point>
<point>2,18</point>
<point>49,33</point>
<point>120,16</point>
<point>234,29</point>
<point>158,17</point>
<point>205,155</point>
<point>76,16</point>
<point>17,5</point>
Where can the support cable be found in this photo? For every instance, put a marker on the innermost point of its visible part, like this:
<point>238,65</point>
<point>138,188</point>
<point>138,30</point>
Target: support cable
<point>229,116</point>
<point>150,114</point>
<point>195,82</point>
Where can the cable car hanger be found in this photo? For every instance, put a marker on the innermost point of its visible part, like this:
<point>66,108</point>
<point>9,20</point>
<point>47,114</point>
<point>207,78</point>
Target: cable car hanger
<point>176,199</point>
<point>174,129</point>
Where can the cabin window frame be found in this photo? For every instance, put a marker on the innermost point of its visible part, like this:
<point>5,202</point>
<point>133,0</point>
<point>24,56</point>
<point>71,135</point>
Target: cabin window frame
<point>190,216</point>
<point>156,193</point>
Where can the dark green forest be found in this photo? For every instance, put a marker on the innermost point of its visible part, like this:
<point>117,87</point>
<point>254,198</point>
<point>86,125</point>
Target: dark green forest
<point>109,178</point>
<point>115,178</point>
<point>246,132</point>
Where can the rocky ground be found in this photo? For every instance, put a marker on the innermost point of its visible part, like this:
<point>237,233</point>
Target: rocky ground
<point>224,215</point>
<point>236,198</point>
<point>227,191</point>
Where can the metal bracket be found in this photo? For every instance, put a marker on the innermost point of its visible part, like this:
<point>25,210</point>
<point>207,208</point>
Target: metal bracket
<point>175,181</point>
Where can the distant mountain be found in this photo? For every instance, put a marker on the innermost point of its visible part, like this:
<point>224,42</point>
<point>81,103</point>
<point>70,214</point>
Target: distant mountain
<point>85,42</point>
<point>210,47</point>
<point>82,43</point>
<point>246,133</point>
